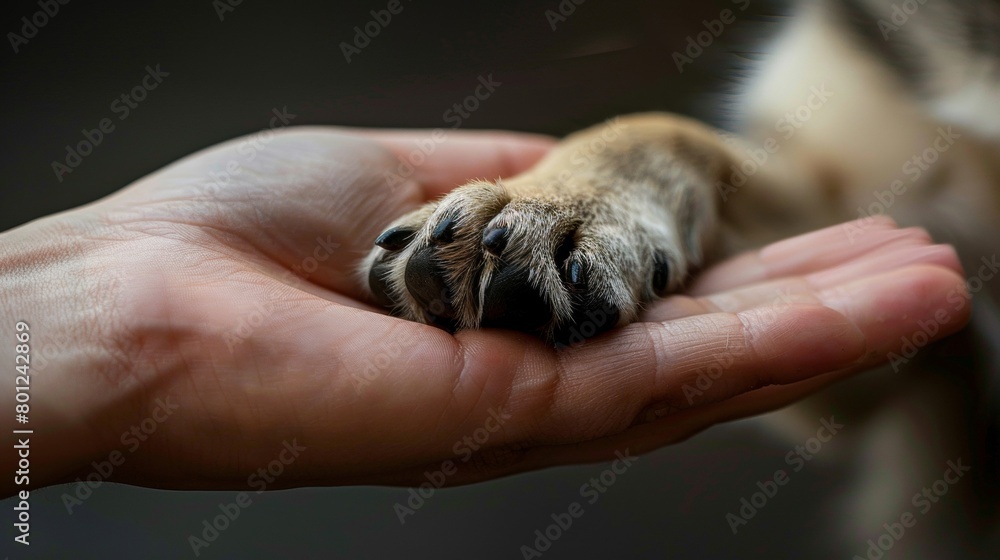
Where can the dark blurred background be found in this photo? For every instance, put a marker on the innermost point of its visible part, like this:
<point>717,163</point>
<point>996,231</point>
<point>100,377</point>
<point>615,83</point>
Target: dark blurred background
<point>225,78</point>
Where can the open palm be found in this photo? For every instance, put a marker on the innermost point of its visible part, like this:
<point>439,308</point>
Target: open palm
<point>217,302</point>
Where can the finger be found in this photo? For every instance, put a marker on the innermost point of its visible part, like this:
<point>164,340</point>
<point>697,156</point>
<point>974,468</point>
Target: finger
<point>604,385</point>
<point>672,429</point>
<point>441,160</point>
<point>810,252</point>
<point>313,199</point>
<point>349,373</point>
<point>881,307</point>
<point>932,292</point>
<point>804,288</point>
<point>304,202</point>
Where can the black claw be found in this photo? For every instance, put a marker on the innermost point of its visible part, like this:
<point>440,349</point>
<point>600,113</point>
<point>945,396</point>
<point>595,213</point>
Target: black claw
<point>445,231</point>
<point>395,238</point>
<point>575,273</point>
<point>661,274</point>
<point>495,240</point>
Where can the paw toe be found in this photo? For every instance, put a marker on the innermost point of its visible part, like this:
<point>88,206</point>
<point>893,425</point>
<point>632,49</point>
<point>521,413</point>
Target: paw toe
<point>592,315</point>
<point>378,282</point>
<point>425,281</point>
<point>512,302</point>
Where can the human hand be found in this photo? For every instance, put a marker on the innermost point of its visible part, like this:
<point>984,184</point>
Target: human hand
<point>214,306</point>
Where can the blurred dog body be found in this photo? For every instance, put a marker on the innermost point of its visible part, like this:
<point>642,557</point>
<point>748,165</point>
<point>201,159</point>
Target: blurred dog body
<point>893,107</point>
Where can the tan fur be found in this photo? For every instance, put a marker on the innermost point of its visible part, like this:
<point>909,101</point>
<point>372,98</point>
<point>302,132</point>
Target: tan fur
<point>625,187</point>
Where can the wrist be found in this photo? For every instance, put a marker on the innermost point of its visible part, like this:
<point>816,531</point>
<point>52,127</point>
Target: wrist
<point>53,351</point>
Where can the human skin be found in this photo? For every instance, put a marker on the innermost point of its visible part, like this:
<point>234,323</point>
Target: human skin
<point>227,295</point>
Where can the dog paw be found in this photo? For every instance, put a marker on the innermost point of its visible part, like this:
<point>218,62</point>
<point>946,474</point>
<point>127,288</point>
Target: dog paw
<point>613,217</point>
<point>563,263</point>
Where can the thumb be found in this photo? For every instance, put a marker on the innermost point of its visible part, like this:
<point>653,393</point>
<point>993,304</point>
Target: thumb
<point>313,199</point>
